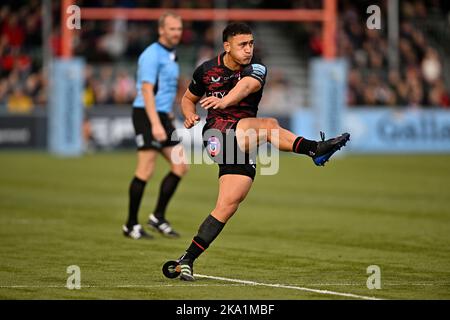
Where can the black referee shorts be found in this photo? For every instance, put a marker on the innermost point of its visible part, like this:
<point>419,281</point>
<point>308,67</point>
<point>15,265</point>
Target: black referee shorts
<point>143,129</point>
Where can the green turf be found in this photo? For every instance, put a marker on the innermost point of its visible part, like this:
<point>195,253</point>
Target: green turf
<point>306,226</point>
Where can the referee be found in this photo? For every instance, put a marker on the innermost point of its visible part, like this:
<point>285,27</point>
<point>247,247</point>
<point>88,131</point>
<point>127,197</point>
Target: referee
<point>157,82</point>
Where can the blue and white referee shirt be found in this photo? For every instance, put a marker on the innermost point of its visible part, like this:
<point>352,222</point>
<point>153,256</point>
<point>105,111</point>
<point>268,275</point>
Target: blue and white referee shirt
<point>158,66</point>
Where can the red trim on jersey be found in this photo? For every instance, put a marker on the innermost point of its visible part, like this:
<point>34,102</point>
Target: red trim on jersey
<point>218,60</point>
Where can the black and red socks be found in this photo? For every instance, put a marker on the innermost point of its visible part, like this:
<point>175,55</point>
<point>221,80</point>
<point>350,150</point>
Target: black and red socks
<point>304,146</point>
<point>208,231</point>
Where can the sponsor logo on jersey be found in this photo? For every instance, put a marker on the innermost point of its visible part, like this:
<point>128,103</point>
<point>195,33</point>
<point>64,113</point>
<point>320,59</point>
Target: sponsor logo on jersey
<point>219,94</point>
<point>258,70</point>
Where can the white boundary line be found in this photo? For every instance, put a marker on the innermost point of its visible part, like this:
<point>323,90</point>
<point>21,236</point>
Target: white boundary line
<point>20,286</point>
<point>349,295</point>
<point>144,286</point>
<point>243,283</point>
<point>238,283</point>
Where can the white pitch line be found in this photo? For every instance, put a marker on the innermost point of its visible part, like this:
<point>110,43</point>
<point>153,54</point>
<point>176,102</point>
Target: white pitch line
<point>342,294</point>
<point>243,284</point>
<point>144,286</point>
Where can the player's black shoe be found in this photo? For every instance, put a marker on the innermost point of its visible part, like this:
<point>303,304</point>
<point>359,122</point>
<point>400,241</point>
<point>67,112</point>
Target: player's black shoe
<point>326,148</point>
<point>186,270</point>
<point>136,232</point>
<point>182,267</point>
<point>163,226</point>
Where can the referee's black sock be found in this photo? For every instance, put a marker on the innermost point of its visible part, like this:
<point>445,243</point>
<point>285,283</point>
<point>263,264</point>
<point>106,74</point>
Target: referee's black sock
<point>304,146</point>
<point>166,191</point>
<point>136,191</point>
<point>208,231</point>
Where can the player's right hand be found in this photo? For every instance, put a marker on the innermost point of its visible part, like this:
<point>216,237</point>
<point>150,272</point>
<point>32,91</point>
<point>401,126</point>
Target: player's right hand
<point>158,132</point>
<point>191,120</point>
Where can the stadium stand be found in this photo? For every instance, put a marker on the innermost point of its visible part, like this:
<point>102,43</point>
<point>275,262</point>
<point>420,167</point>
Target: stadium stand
<point>110,49</point>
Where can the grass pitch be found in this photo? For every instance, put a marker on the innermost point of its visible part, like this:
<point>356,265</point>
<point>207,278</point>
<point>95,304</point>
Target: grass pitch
<point>318,228</point>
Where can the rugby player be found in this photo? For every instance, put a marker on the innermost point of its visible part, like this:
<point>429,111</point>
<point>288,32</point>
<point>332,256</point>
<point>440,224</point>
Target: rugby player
<point>233,85</point>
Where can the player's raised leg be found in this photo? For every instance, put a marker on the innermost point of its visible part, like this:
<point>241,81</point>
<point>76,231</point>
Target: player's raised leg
<point>146,160</point>
<point>178,168</point>
<point>251,132</point>
<point>232,191</point>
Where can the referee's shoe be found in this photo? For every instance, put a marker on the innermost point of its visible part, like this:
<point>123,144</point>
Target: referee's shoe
<point>163,226</point>
<point>326,148</point>
<point>136,232</point>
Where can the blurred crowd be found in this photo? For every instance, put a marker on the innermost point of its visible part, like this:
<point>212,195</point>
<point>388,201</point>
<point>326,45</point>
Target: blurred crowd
<point>111,49</point>
<point>418,78</point>
<point>22,84</point>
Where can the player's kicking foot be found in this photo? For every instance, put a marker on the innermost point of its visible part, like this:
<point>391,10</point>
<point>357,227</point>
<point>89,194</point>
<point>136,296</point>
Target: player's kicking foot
<point>186,271</point>
<point>163,226</point>
<point>326,148</point>
<point>136,232</point>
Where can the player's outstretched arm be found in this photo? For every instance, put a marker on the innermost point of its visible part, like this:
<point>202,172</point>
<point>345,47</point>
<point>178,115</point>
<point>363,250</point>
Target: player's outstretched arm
<point>243,88</point>
<point>188,103</point>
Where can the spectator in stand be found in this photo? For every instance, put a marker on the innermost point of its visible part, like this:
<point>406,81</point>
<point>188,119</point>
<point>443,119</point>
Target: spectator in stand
<point>438,96</point>
<point>431,66</point>
<point>14,32</point>
<point>19,102</point>
<point>4,88</point>
<point>124,88</point>
<point>355,88</point>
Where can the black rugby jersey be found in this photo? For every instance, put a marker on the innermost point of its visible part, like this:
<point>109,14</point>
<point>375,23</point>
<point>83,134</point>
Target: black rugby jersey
<point>214,78</point>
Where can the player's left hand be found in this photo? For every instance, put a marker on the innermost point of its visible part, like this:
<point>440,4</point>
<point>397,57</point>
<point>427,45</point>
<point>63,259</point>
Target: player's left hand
<point>212,102</point>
